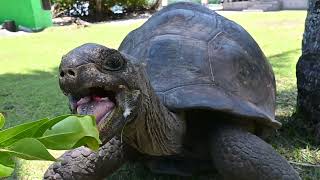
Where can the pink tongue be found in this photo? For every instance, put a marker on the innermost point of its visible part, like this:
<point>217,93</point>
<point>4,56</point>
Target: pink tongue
<point>97,106</point>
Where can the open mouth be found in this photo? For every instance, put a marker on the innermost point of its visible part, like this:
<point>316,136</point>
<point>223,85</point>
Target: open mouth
<point>96,102</point>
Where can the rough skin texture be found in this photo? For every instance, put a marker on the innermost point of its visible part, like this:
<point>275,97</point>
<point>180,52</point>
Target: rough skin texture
<point>82,163</point>
<point>238,154</point>
<point>308,69</point>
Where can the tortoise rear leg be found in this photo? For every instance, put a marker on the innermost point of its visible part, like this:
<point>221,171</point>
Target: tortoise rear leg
<point>238,154</point>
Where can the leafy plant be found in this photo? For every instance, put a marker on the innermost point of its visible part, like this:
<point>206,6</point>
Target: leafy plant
<point>31,140</point>
<point>96,8</point>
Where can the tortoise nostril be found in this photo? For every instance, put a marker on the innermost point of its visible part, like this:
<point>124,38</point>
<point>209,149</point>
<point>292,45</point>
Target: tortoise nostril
<point>70,72</point>
<point>62,74</point>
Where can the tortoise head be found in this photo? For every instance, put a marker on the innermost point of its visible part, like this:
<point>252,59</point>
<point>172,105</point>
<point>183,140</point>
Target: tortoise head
<point>102,82</point>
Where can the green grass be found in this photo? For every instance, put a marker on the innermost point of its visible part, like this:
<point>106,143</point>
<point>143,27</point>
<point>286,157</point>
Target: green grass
<point>29,86</point>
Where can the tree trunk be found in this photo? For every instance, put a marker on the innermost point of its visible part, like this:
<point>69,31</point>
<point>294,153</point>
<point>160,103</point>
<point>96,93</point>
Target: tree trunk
<point>99,9</point>
<point>157,5</point>
<point>308,69</point>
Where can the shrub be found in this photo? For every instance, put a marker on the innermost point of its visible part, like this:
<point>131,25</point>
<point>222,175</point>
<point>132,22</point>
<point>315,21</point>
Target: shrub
<point>97,7</point>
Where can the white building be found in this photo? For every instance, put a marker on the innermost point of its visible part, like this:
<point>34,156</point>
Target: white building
<point>265,5</point>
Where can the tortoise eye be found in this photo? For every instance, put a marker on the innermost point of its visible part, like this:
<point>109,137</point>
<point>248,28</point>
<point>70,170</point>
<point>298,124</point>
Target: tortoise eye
<point>114,62</point>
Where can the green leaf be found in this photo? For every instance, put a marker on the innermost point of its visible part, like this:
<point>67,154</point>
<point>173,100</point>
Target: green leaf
<point>31,140</point>
<point>30,129</point>
<point>6,159</point>
<point>2,120</point>
<point>67,132</point>
<point>72,132</point>
<point>43,128</point>
<point>91,142</point>
<point>6,164</point>
<point>5,171</point>
<point>30,149</point>
<point>13,134</point>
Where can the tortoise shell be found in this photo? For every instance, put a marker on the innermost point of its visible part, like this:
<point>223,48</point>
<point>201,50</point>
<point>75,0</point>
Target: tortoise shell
<point>197,59</point>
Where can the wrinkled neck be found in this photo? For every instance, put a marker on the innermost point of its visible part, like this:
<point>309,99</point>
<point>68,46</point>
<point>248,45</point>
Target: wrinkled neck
<point>156,131</point>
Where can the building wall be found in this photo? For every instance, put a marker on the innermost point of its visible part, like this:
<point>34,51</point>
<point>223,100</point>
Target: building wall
<point>294,4</point>
<point>236,6</point>
<point>284,4</point>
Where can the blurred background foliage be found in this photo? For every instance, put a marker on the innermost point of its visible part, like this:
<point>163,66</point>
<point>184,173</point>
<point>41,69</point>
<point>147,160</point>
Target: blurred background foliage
<point>101,8</point>
<point>108,9</point>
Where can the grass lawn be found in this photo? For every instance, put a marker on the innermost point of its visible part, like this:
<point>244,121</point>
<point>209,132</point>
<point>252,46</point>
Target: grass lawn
<point>29,85</point>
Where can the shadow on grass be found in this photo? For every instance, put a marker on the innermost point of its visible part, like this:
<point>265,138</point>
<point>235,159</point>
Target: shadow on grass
<point>27,97</point>
<point>294,127</point>
<point>285,54</point>
<point>295,140</point>
<point>284,63</point>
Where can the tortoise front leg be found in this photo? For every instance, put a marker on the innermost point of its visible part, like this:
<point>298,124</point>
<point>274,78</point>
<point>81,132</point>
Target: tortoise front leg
<point>238,154</point>
<point>83,164</point>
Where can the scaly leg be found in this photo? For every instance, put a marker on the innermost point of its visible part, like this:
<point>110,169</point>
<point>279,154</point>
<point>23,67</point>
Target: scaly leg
<point>83,164</point>
<point>238,154</point>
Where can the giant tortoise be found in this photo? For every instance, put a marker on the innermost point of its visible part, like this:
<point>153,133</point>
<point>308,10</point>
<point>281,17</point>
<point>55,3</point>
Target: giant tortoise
<point>188,92</point>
